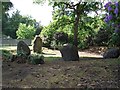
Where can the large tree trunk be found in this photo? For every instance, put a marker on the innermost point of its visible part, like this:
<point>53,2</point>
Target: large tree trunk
<point>76,23</point>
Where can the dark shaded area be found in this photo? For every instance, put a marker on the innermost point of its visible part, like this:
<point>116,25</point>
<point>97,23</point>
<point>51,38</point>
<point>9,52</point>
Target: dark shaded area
<point>61,37</point>
<point>90,58</point>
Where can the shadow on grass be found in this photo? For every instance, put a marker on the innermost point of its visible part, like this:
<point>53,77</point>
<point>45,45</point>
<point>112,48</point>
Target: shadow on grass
<point>81,58</point>
<point>90,58</point>
<point>52,58</point>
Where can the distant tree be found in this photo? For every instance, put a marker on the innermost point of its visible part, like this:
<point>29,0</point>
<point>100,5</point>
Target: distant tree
<point>14,21</point>
<point>6,6</point>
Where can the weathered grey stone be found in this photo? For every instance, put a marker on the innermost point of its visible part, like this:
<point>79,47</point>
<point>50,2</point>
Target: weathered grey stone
<point>37,44</point>
<point>22,47</point>
<point>69,52</point>
<point>112,53</point>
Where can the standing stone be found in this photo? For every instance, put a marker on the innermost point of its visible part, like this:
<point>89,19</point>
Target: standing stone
<point>112,53</point>
<point>22,47</point>
<point>69,52</point>
<point>37,45</point>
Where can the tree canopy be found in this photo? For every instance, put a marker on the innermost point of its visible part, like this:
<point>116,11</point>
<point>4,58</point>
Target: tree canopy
<point>10,24</point>
<point>74,9</point>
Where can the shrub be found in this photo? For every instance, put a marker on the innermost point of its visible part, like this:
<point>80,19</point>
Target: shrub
<point>36,59</point>
<point>112,19</point>
<point>47,34</point>
<point>102,37</point>
<point>114,40</point>
<point>61,37</point>
<point>22,54</point>
<point>6,54</point>
<point>25,32</point>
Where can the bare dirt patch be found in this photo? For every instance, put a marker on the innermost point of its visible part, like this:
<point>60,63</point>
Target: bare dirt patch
<point>62,74</point>
<point>90,72</point>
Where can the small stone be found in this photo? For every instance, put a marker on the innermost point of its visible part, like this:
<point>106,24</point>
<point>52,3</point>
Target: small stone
<point>56,82</point>
<point>79,85</point>
<point>69,75</point>
<point>21,80</point>
<point>10,69</point>
<point>39,64</point>
<point>68,68</point>
<point>37,75</point>
<point>54,75</point>
<point>92,84</point>
<point>66,80</point>
<point>65,73</point>
<point>73,78</point>
<point>85,81</point>
<point>62,76</point>
<point>42,75</point>
<point>9,65</point>
<point>31,68</point>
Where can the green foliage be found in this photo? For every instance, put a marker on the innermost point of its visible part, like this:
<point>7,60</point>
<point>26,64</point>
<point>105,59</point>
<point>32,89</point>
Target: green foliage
<point>6,6</point>
<point>36,59</point>
<point>87,28</point>
<point>25,32</point>
<point>112,20</point>
<point>102,33</point>
<point>11,24</point>
<point>114,40</point>
<point>22,54</point>
<point>62,24</point>
<point>102,37</point>
<point>6,54</point>
<point>68,15</point>
<point>71,18</point>
<point>38,30</point>
<point>48,32</point>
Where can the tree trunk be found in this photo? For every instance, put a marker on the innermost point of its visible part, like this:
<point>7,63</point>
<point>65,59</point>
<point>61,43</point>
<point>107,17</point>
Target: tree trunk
<point>76,23</point>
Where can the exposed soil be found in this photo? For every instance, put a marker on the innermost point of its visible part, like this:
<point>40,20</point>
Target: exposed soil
<point>96,73</point>
<point>90,72</point>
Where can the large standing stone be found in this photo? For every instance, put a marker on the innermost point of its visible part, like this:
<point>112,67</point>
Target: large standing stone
<point>22,47</point>
<point>112,53</point>
<point>69,52</point>
<point>37,44</point>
